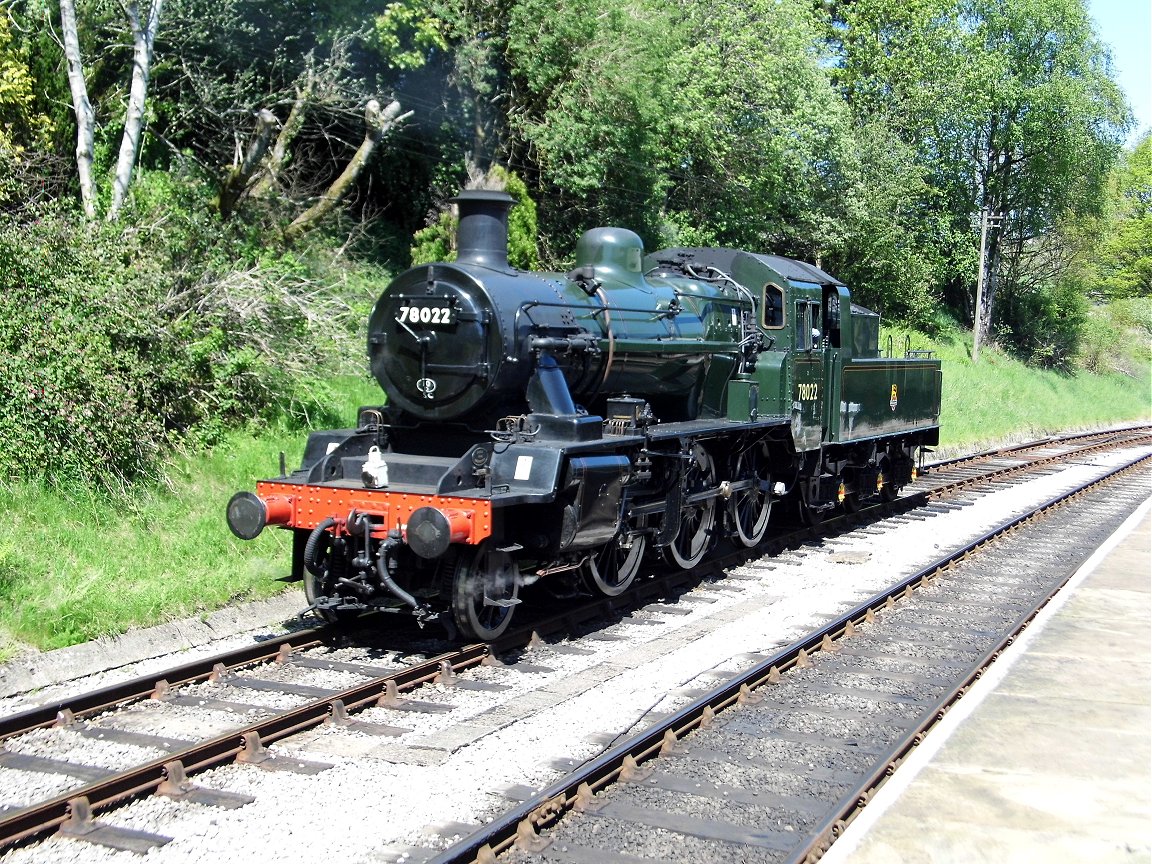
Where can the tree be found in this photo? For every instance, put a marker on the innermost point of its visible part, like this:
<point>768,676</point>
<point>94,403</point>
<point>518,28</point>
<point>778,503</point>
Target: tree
<point>1010,107</point>
<point>238,179</point>
<point>377,124</point>
<point>24,130</point>
<point>891,249</point>
<point>1051,127</point>
<point>757,147</point>
<point>85,116</point>
<point>322,90</point>
<point>592,123</point>
<point>467,39</point>
<point>696,123</point>
<point>198,82</point>
<point>1124,260</point>
<point>143,39</point>
<point>302,71</point>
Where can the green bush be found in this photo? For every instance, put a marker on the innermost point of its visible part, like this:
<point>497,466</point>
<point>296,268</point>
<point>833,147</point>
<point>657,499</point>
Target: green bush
<point>1043,324</point>
<point>436,242</point>
<point>1117,337</point>
<point>117,344</point>
<point>70,364</point>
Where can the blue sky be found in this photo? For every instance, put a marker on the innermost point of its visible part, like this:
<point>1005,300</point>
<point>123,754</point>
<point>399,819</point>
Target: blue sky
<point>1126,26</point>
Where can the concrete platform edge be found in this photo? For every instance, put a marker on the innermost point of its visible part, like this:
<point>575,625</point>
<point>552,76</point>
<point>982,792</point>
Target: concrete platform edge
<point>890,793</point>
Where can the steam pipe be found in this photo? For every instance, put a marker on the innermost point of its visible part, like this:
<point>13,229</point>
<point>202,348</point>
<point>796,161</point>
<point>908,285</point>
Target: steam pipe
<point>313,544</point>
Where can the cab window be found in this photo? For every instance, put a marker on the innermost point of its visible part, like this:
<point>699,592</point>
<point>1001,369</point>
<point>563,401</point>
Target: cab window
<point>831,316</point>
<point>773,307</point>
<point>803,327</point>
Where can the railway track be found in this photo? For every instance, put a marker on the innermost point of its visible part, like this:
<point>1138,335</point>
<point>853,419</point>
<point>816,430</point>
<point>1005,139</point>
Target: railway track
<point>955,474</point>
<point>376,690</point>
<point>772,764</point>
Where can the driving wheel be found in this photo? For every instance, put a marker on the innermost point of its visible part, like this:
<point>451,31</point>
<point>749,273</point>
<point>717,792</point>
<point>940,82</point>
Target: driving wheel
<point>751,507</point>
<point>612,567</point>
<point>485,589</point>
<point>694,535</point>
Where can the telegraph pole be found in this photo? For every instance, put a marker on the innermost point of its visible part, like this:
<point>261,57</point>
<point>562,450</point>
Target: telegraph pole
<point>986,219</point>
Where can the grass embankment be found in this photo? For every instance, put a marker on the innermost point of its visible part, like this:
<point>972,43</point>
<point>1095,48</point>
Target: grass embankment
<point>1000,399</point>
<point>73,568</point>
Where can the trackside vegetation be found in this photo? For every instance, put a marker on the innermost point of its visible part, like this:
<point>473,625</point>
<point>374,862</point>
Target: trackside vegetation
<point>1002,399</point>
<point>77,566</point>
<point>200,202</point>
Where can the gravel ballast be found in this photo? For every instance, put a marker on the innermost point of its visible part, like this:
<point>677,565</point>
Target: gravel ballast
<point>381,795</point>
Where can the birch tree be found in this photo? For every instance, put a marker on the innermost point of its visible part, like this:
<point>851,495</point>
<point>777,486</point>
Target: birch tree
<point>85,116</point>
<point>143,39</point>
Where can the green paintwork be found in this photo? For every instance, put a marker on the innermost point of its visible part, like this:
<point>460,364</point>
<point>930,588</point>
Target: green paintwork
<point>833,385</point>
<point>886,397</point>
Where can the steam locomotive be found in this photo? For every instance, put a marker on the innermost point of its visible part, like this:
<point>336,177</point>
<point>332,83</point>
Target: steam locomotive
<point>565,426</point>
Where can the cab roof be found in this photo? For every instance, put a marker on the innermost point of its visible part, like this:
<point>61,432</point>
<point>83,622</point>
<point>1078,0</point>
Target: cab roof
<point>725,259</point>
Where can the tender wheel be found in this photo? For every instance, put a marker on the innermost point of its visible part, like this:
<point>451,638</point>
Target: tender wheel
<point>611,569</point>
<point>809,515</point>
<point>484,592</point>
<point>751,507</point>
<point>888,492</point>
<point>694,536</point>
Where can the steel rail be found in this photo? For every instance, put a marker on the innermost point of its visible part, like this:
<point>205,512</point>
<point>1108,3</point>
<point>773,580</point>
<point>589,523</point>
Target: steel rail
<point>914,500</point>
<point>1102,446</point>
<point>1035,445</point>
<point>97,701</point>
<point>42,817</point>
<point>850,805</point>
<point>39,818</point>
<point>521,824</point>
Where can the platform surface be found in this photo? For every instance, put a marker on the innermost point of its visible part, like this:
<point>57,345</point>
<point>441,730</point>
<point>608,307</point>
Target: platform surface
<point>1039,762</point>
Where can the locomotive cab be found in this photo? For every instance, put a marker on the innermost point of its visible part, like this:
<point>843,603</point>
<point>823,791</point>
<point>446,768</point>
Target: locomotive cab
<point>857,421</point>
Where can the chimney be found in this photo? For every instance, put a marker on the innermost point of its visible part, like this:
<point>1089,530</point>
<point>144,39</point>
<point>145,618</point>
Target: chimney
<point>482,236</point>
